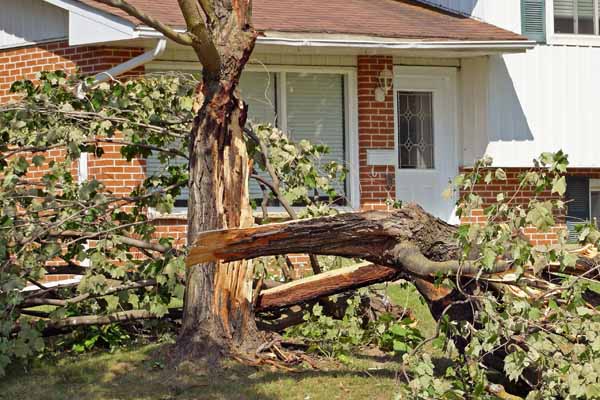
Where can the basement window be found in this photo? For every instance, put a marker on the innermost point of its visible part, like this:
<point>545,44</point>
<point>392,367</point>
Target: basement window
<point>583,203</point>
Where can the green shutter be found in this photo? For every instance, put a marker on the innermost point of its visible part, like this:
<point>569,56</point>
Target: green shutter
<point>533,19</point>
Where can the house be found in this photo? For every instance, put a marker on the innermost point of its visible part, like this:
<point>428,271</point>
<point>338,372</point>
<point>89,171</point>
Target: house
<point>406,93</point>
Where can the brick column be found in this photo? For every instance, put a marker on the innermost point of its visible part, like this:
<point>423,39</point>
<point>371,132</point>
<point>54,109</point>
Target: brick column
<point>375,131</point>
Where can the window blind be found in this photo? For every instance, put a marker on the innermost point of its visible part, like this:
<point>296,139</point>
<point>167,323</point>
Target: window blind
<point>578,203</point>
<point>259,91</point>
<point>315,112</point>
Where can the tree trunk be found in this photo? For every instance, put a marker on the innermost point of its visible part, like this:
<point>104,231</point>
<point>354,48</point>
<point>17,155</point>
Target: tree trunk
<point>218,317</point>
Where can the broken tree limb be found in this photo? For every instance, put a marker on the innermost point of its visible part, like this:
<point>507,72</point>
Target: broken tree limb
<point>325,284</point>
<point>409,239</point>
<point>347,235</point>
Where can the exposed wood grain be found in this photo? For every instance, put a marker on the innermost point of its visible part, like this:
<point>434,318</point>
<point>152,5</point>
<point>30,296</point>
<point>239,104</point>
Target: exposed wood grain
<point>325,284</point>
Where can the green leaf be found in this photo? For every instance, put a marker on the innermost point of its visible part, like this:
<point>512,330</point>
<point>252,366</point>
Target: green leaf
<point>559,186</point>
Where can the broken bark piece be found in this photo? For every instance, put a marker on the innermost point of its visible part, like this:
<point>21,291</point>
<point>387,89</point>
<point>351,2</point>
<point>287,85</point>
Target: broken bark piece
<point>325,284</point>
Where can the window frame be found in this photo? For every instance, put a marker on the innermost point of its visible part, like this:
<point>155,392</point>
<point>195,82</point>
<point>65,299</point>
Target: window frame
<point>570,39</point>
<point>350,115</point>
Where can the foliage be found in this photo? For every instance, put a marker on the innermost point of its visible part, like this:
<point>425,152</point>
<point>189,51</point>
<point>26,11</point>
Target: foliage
<point>110,336</point>
<point>49,217</point>
<point>338,337</point>
<point>546,337</point>
<point>305,179</point>
<point>398,337</point>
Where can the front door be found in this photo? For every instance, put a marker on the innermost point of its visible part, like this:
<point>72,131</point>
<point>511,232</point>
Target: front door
<point>426,152</point>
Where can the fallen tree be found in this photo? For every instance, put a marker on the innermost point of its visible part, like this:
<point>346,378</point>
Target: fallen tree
<point>501,301</point>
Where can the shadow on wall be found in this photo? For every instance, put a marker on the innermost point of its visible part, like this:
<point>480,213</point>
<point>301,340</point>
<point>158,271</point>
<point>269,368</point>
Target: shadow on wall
<point>462,6</point>
<point>504,118</point>
<point>30,21</point>
<point>507,118</point>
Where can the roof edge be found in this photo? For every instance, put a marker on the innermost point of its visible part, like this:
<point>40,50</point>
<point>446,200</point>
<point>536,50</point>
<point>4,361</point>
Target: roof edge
<point>276,38</point>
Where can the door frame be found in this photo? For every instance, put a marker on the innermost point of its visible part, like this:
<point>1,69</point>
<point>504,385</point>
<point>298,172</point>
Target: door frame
<point>442,80</point>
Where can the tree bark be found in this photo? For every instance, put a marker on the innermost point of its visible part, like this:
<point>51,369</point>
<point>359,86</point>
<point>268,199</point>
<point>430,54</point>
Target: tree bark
<point>408,239</point>
<point>218,317</point>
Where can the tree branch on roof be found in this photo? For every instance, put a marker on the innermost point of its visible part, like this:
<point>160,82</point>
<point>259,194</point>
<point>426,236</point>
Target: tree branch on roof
<point>181,38</point>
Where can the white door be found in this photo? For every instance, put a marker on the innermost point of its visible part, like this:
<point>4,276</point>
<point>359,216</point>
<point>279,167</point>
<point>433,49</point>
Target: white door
<point>426,152</point>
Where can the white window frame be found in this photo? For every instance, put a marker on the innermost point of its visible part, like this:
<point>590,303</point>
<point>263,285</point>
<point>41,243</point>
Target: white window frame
<point>594,186</point>
<point>350,123</point>
<point>569,39</point>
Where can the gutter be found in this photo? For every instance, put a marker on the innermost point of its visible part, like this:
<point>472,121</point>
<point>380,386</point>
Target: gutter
<point>274,38</point>
<point>514,45</point>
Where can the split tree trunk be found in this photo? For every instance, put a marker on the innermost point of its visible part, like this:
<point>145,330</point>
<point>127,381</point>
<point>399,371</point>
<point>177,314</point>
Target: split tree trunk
<point>218,317</point>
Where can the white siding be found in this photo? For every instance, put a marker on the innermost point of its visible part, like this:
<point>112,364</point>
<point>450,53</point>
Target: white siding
<point>503,13</point>
<point>543,100</point>
<point>29,21</point>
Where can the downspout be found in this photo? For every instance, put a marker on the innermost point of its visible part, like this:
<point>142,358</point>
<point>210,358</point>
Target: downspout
<point>127,66</point>
<point>161,45</point>
<point>135,62</point>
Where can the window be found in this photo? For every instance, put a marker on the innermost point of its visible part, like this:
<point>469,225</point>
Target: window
<point>307,105</point>
<point>314,105</point>
<point>595,201</point>
<point>415,130</point>
<point>578,17</point>
<point>583,203</point>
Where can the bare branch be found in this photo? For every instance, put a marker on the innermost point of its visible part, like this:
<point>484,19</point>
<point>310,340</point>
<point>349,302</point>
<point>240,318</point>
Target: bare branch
<point>141,244</point>
<point>208,9</point>
<point>202,42</point>
<point>276,189</point>
<point>36,301</point>
<point>181,38</point>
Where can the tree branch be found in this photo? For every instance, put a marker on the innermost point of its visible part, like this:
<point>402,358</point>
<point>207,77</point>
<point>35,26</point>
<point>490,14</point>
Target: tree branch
<point>408,239</point>
<point>181,38</point>
<point>276,189</point>
<point>208,9</point>
<point>202,42</point>
<point>36,301</point>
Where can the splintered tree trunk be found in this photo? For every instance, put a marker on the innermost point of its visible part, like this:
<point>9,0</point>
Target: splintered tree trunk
<point>218,317</point>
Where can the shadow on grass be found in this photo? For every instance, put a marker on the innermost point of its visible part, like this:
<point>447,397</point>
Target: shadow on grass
<point>142,374</point>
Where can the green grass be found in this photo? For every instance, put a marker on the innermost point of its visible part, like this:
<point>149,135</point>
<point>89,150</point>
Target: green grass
<point>141,373</point>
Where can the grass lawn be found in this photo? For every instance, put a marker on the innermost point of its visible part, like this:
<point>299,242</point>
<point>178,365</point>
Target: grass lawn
<point>140,373</point>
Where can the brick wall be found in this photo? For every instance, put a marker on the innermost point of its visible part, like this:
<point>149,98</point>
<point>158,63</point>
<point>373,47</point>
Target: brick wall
<point>375,131</point>
<point>488,193</point>
<point>26,62</point>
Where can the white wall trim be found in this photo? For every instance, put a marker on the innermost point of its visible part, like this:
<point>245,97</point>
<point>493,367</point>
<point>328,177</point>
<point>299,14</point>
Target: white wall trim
<point>37,42</point>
